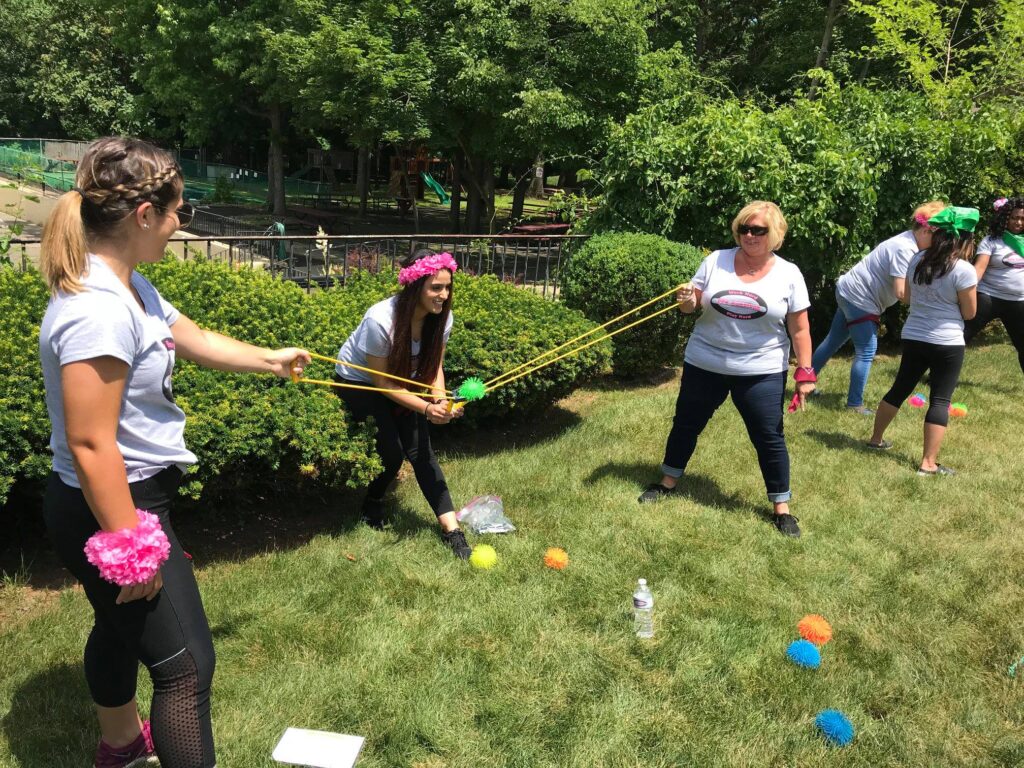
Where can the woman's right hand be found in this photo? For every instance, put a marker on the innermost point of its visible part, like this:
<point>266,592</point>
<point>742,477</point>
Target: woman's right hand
<point>437,413</point>
<point>686,298</point>
<point>148,590</point>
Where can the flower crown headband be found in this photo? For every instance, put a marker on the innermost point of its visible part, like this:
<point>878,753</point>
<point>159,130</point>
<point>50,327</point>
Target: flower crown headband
<point>427,265</point>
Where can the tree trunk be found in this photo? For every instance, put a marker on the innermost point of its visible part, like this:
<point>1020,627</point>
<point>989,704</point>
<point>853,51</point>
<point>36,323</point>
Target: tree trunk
<point>826,40</point>
<point>519,194</point>
<point>567,178</point>
<point>455,211</point>
<point>275,163</point>
<point>487,185</point>
<point>537,181</point>
<point>504,182</point>
<point>363,178</point>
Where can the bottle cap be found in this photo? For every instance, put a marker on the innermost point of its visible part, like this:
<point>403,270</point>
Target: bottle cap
<point>642,582</point>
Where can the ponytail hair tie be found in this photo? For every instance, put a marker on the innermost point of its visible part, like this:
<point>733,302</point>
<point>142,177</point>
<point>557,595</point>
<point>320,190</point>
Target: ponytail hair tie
<point>999,203</point>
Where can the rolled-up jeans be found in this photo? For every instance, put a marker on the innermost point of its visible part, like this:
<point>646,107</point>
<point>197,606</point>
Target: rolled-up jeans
<point>759,399</point>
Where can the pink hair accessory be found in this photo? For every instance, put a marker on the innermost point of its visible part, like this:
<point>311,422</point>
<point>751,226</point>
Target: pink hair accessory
<point>428,265</point>
<point>999,203</point>
<point>132,555</point>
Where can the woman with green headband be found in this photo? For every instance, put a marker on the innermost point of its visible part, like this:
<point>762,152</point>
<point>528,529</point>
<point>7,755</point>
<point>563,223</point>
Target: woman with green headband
<point>1000,268</point>
<point>942,293</point>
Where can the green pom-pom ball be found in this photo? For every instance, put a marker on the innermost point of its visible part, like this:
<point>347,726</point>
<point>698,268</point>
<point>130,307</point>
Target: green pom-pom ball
<point>472,389</point>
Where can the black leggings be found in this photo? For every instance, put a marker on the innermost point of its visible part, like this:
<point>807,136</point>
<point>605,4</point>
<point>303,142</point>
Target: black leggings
<point>1010,312</point>
<point>943,361</point>
<point>168,634</point>
<point>401,434</point>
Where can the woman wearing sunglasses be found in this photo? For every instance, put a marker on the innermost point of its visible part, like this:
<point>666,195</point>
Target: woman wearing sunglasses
<point>108,343</point>
<point>873,285</point>
<point>752,301</point>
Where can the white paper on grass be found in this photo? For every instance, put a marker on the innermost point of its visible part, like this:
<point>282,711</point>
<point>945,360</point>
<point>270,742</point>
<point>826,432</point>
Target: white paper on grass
<point>318,749</point>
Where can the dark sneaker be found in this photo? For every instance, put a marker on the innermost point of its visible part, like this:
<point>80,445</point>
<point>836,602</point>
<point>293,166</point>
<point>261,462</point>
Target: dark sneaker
<point>939,470</point>
<point>135,755</point>
<point>373,513</point>
<point>885,445</point>
<point>653,492</point>
<point>457,541</point>
<point>787,525</point>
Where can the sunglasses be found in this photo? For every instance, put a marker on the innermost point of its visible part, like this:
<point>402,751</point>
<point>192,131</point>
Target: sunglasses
<point>185,213</point>
<point>747,229</point>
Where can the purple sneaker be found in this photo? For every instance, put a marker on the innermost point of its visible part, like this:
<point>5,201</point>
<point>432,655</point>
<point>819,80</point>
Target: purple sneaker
<point>135,755</point>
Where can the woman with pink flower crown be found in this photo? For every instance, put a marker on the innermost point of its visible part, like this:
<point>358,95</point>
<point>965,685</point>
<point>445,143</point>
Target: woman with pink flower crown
<point>107,345</point>
<point>406,335</point>
<point>1000,267</point>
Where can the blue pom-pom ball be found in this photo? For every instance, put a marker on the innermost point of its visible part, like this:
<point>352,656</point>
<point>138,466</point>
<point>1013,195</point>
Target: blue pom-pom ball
<point>804,653</point>
<point>835,727</point>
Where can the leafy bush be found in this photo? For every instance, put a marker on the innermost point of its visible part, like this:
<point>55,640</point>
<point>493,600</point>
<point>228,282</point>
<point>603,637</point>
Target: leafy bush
<point>249,429</point>
<point>613,273</point>
<point>847,169</point>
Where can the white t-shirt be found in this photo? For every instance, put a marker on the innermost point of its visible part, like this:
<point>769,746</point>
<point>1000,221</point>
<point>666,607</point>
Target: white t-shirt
<point>742,329</point>
<point>373,336</point>
<point>868,284</point>
<point>1004,275</point>
<point>934,309</point>
<point>105,320</point>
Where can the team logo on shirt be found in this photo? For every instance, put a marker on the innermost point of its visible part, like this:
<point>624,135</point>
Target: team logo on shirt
<point>739,305</point>
<point>1013,261</point>
<point>169,346</point>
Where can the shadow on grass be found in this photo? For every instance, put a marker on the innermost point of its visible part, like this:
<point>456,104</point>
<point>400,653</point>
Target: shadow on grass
<point>51,721</point>
<point>698,488</point>
<point>497,437</point>
<point>846,442</point>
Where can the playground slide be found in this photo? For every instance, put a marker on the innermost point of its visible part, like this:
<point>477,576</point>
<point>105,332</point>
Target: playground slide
<point>437,188</point>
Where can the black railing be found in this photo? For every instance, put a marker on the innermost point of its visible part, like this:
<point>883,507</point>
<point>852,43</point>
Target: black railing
<point>532,262</point>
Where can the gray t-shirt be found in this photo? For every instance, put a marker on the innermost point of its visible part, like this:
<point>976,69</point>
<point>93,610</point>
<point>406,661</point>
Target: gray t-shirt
<point>934,309</point>
<point>742,328</point>
<point>868,284</point>
<point>373,336</point>
<point>105,320</point>
<point>1004,275</point>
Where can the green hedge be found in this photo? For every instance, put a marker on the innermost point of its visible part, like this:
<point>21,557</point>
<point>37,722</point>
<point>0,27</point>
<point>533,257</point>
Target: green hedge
<point>249,429</point>
<point>615,272</point>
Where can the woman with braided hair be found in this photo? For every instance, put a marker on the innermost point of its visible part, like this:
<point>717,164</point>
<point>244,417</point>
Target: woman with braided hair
<point>108,343</point>
<point>1000,268</point>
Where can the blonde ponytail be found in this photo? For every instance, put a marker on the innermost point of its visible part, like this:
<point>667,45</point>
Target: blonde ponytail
<point>63,253</point>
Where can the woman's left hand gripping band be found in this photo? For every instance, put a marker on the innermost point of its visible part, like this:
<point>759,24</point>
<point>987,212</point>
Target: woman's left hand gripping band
<point>130,556</point>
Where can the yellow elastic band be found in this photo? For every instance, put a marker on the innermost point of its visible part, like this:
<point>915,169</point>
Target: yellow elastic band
<point>579,349</point>
<point>497,381</point>
<point>373,371</point>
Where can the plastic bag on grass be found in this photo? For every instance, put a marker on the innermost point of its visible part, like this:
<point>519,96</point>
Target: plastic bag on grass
<point>485,514</point>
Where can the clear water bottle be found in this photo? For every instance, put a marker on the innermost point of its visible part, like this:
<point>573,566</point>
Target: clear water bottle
<point>643,610</point>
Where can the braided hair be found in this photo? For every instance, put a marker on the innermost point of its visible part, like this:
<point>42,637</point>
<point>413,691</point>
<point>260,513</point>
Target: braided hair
<point>115,176</point>
<point>997,226</point>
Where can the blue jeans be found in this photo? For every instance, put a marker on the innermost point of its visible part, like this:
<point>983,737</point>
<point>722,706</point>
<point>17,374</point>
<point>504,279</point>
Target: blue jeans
<point>759,400</point>
<point>865,343</point>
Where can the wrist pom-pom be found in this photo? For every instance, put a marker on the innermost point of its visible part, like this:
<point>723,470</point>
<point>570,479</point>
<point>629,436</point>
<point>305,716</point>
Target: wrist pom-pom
<point>132,555</point>
<point>805,374</point>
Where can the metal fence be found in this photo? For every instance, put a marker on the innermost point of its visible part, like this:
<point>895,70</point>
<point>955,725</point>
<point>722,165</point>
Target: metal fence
<point>526,261</point>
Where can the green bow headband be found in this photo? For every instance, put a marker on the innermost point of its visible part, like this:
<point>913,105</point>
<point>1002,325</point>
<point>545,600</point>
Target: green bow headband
<point>956,220</point>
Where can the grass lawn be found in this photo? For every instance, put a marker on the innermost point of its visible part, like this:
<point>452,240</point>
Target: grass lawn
<point>439,665</point>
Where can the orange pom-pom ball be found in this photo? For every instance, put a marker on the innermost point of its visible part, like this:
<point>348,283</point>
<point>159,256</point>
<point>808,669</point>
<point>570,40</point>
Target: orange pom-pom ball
<point>815,629</point>
<point>556,558</point>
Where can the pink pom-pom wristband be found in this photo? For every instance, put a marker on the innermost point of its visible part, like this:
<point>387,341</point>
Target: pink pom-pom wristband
<point>428,265</point>
<point>131,555</point>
